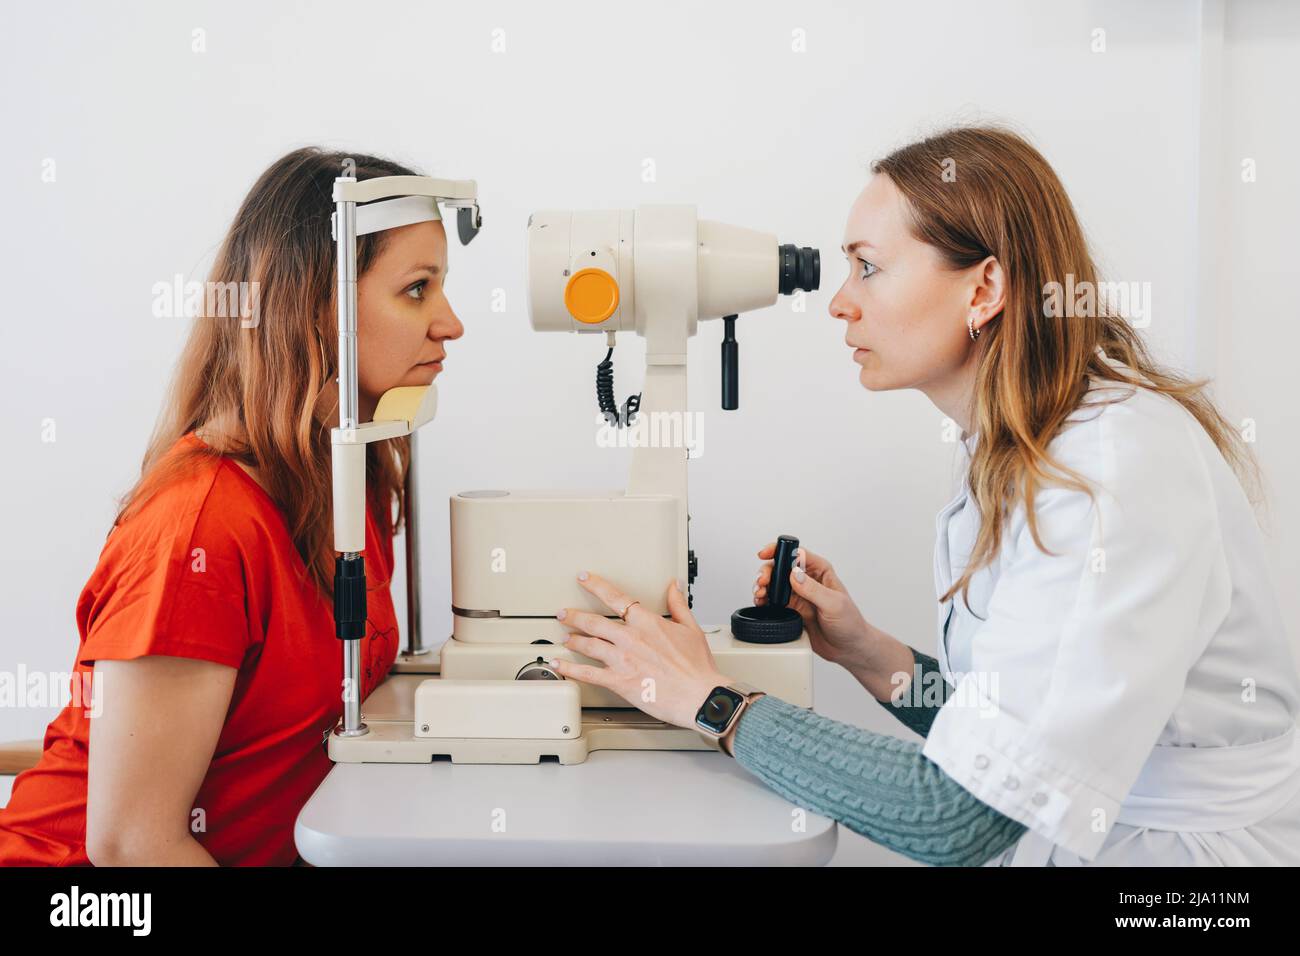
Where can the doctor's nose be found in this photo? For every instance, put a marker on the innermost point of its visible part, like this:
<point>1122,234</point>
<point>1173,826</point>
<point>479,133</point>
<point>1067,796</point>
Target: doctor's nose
<point>842,307</point>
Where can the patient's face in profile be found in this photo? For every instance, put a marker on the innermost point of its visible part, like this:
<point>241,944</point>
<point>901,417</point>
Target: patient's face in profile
<point>905,308</point>
<point>403,317</point>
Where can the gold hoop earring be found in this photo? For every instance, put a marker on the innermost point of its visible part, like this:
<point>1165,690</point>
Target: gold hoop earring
<point>970,327</point>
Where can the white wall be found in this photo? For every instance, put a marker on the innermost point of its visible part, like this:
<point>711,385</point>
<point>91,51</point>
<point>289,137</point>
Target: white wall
<point>1256,318</point>
<point>155,145</point>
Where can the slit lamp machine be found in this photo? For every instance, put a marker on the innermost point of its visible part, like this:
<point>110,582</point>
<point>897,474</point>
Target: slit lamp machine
<point>490,697</point>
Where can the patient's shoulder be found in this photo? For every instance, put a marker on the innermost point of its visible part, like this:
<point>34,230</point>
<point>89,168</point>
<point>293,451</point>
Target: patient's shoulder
<point>192,492</point>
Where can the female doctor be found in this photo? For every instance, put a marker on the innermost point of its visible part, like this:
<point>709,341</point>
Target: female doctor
<point>1117,686</point>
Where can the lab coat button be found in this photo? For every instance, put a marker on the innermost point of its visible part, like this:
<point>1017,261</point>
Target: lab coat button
<point>981,761</point>
<point>1039,798</point>
<point>1011,783</point>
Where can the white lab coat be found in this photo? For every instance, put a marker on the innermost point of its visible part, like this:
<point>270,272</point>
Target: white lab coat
<point>1132,700</point>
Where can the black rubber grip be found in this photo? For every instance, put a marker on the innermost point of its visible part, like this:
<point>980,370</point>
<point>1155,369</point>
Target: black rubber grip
<point>350,598</point>
<point>766,625</point>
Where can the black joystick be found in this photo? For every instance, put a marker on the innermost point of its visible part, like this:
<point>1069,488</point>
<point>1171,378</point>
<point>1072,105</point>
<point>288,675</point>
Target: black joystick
<point>774,622</point>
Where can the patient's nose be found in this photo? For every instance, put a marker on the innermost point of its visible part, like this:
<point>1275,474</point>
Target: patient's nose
<point>448,326</point>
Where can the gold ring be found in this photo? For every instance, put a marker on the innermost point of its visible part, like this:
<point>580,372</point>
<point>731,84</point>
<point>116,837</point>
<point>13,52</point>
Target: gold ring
<point>626,609</point>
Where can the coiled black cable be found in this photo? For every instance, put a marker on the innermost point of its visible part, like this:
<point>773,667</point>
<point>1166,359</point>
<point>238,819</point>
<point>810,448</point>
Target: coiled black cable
<point>605,395</point>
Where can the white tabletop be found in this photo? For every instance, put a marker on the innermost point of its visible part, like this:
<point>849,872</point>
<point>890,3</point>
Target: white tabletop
<point>617,808</point>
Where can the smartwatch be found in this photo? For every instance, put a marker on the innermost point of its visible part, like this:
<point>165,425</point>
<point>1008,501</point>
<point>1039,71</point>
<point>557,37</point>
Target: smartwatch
<point>720,713</point>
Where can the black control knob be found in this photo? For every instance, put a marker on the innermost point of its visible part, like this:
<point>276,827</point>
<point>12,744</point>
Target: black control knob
<point>774,622</point>
<point>730,365</point>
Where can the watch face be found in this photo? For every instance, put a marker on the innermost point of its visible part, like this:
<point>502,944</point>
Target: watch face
<point>718,710</point>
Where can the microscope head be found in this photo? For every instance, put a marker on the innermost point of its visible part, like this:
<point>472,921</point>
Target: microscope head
<point>621,270</point>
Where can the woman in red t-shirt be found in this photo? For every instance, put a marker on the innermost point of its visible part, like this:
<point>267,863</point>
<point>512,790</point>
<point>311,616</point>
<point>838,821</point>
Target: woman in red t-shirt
<point>207,636</point>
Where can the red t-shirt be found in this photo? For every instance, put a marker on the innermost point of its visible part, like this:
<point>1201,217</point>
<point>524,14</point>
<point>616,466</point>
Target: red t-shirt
<point>246,602</point>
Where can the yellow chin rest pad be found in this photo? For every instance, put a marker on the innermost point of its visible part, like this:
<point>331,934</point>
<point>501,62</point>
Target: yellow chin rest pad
<point>591,295</point>
<point>412,404</point>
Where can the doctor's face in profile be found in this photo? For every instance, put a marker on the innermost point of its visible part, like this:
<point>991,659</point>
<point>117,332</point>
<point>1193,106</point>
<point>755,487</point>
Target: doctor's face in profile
<point>904,307</point>
<point>404,320</point>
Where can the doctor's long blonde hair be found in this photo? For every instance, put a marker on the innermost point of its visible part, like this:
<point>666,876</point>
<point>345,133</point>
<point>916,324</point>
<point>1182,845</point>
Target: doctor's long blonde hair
<point>268,386</point>
<point>1005,200</point>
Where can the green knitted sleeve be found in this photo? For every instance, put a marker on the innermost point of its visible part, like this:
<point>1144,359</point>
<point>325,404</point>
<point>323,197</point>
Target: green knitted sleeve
<point>879,786</point>
<point>917,706</point>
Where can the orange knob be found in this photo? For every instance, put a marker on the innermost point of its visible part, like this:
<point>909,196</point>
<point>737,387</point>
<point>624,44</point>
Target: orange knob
<point>591,295</point>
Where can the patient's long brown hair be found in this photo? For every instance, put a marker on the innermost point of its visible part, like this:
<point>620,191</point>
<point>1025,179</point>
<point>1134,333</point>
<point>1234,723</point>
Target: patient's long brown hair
<point>268,385</point>
<point>1003,199</point>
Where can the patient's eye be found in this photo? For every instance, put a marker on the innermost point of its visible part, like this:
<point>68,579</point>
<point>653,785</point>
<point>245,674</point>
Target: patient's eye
<point>418,289</point>
<point>868,268</point>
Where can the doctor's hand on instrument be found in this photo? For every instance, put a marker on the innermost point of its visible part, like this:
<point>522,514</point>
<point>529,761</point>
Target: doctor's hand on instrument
<point>663,667</point>
<point>836,628</point>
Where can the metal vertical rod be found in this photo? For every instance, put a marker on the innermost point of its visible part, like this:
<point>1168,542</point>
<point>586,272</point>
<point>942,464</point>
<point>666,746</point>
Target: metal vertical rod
<point>347,302</point>
<point>346,224</point>
<point>414,641</point>
<point>352,725</point>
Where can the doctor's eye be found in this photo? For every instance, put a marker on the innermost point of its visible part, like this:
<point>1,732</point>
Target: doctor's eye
<point>868,268</point>
<point>418,289</point>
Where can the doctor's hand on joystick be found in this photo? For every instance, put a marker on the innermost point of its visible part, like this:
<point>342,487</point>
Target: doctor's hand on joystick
<point>836,628</point>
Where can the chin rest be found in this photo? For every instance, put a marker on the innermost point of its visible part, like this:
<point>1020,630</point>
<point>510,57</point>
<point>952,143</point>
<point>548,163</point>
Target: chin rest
<point>413,404</point>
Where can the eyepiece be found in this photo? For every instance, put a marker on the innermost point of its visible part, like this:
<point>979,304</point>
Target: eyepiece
<point>800,268</point>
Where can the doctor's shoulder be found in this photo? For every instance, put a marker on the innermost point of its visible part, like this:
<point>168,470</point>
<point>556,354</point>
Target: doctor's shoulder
<point>1136,447</point>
